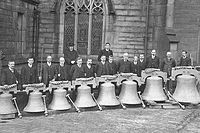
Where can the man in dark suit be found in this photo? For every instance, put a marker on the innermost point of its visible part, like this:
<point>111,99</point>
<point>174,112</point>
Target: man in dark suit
<point>48,74</point>
<point>153,61</point>
<point>101,67</point>
<point>106,51</point>
<point>89,69</point>
<point>167,64</point>
<point>124,65</point>
<point>71,55</point>
<point>112,66</point>
<point>10,75</point>
<point>29,72</point>
<point>135,66</point>
<point>77,70</point>
<point>141,64</point>
<point>185,60</point>
<point>62,70</point>
<point>48,71</point>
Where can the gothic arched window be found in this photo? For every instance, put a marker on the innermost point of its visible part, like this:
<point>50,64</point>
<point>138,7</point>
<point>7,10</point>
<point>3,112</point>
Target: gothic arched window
<point>84,23</point>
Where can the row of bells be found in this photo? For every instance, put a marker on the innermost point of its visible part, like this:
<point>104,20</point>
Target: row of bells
<point>186,92</point>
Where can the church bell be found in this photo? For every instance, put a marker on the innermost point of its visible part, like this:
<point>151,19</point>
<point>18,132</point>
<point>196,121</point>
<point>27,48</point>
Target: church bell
<point>107,95</point>
<point>84,98</point>
<point>154,89</point>
<point>59,101</point>
<point>35,103</point>
<point>128,94</point>
<point>186,90</point>
<point>6,104</point>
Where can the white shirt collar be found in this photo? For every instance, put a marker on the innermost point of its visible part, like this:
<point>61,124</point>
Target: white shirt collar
<point>49,63</point>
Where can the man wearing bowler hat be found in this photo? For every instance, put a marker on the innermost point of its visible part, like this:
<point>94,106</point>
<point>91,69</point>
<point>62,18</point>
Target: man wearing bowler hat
<point>71,55</point>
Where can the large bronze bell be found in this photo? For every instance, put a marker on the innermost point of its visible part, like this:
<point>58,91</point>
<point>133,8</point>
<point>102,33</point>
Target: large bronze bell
<point>6,104</point>
<point>107,95</point>
<point>186,90</point>
<point>84,98</point>
<point>59,101</point>
<point>154,89</point>
<point>128,94</point>
<point>35,103</point>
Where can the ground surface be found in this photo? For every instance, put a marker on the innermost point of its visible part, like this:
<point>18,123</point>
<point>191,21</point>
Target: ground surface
<point>131,120</point>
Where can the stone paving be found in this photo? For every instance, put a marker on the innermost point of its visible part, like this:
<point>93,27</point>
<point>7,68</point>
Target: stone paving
<point>131,120</point>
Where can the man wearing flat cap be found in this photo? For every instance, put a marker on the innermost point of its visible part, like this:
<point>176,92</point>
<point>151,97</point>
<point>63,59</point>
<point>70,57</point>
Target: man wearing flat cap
<point>71,55</point>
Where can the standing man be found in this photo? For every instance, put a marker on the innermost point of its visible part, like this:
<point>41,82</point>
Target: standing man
<point>135,66</point>
<point>48,72</point>
<point>168,63</point>
<point>141,64</point>
<point>29,72</point>
<point>124,65</point>
<point>185,60</point>
<point>112,66</point>
<point>101,67</point>
<point>106,51</point>
<point>89,69</point>
<point>71,55</point>
<point>77,70</point>
<point>10,75</point>
<point>153,61</point>
<point>62,70</point>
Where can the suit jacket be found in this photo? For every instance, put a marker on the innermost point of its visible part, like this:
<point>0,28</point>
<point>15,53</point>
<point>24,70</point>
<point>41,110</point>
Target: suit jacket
<point>185,62</point>
<point>167,65</point>
<point>89,72</point>
<point>135,68</point>
<point>77,72</point>
<point>153,63</point>
<point>106,53</point>
<point>62,72</point>
<point>101,69</point>
<point>124,66</point>
<point>48,73</point>
<point>70,56</point>
<point>28,74</point>
<point>9,78</point>
<point>112,68</point>
<point>141,66</point>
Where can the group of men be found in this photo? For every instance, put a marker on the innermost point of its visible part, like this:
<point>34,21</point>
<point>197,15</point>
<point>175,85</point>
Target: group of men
<point>71,67</point>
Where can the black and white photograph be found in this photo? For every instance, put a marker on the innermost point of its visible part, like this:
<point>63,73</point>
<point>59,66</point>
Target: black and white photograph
<point>99,66</point>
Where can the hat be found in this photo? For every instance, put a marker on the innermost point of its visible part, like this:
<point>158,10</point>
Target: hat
<point>71,44</point>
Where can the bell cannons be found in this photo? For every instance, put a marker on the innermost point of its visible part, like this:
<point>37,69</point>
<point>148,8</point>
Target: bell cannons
<point>186,86</point>
<point>107,95</point>
<point>84,97</point>
<point>36,102</point>
<point>7,108</point>
<point>154,85</point>
<point>59,101</point>
<point>128,94</point>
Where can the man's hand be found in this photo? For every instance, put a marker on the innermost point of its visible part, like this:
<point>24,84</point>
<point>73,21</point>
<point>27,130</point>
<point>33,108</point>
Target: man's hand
<point>72,61</point>
<point>40,78</point>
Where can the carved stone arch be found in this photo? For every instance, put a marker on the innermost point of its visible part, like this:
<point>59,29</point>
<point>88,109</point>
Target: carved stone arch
<point>62,23</point>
